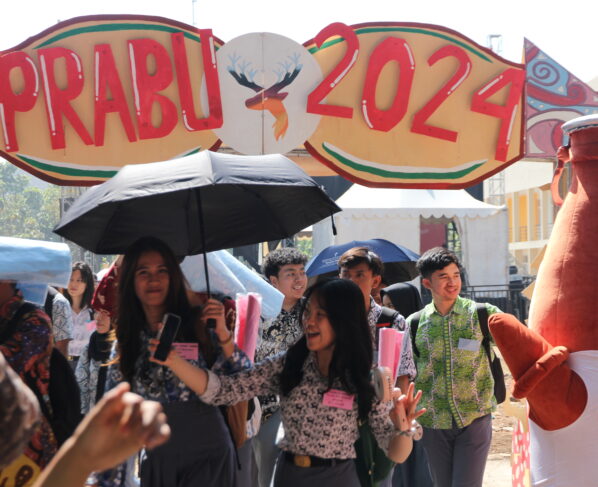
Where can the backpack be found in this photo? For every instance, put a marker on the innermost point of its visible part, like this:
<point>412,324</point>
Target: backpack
<point>63,410</point>
<point>500,390</point>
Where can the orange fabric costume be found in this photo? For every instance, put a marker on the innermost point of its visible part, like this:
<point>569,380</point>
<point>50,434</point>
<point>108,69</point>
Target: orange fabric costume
<point>563,316</point>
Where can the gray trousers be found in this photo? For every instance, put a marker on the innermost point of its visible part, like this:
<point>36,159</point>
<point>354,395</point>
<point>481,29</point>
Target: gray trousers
<point>265,449</point>
<point>457,457</point>
<point>247,474</point>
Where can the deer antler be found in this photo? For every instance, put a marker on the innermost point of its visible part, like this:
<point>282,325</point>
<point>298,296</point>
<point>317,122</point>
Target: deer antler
<point>244,74</point>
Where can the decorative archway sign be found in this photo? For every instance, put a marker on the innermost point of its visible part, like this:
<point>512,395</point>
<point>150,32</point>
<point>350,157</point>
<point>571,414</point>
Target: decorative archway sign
<point>385,104</point>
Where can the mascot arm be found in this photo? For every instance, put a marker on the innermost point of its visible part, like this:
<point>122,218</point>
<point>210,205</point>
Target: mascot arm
<point>556,394</point>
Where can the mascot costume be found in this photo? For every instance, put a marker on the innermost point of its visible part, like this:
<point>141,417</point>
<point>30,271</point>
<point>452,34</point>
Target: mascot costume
<point>554,362</point>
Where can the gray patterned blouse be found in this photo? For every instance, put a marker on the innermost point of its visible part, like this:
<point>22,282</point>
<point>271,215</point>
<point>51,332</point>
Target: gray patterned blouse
<point>310,427</point>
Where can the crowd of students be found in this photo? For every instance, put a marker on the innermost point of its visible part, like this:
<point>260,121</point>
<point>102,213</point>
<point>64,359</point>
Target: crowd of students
<point>312,376</point>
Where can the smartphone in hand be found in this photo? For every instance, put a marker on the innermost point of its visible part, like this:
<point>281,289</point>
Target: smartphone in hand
<point>166,335</point>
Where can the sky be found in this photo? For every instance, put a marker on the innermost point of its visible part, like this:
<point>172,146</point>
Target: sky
<point>566,31</point>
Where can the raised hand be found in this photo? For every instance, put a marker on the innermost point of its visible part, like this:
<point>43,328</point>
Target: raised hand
<point>404,411</point>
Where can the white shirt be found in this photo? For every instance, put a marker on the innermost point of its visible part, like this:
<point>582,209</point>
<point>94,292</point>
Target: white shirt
<point>83,327</point>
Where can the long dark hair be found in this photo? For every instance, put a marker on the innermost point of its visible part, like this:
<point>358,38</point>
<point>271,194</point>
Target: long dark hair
<point>131,318</point>
<point>353,351</point>
<point>87,276</point>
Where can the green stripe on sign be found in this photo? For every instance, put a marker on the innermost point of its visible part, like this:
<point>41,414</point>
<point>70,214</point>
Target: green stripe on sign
<point>399,174</point>
<point>413,30</point>
<point>117,27</point>
<point>67,171</point>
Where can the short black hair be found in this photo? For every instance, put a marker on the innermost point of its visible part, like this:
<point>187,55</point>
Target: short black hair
<point>435,259</point>
<point>357,255</point>
<point>281,257</point>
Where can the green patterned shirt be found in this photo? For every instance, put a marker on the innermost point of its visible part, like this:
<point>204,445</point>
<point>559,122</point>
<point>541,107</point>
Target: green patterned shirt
<point>452,367</point>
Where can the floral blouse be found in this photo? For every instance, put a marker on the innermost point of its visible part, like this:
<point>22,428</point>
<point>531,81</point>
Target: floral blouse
<point>159,383</point>
<point>276,336</point>
<point>310,426</point>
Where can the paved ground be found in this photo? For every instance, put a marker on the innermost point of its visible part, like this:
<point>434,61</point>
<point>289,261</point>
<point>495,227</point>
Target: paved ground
<point>498,470</point>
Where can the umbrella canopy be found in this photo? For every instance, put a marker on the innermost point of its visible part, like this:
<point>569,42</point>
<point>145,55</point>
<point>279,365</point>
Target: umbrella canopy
<point>399,262</point>
<point>241,200</point>
<point>230,276</point>
<point>34,264</point>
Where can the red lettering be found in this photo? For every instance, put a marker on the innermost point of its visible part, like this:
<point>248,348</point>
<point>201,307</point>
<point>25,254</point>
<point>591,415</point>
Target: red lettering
<point>107,78</point>
<point>506,113</point>
<point>419,125</point>
<point>214,120</point>
<point>390,49</point>
<point>11,102</point>
<point>337,74</point>
<point>57,100</point>
<point>146,87</point>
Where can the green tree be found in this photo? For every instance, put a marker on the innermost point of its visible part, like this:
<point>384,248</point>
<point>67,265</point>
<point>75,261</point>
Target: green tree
<point>26,211</point>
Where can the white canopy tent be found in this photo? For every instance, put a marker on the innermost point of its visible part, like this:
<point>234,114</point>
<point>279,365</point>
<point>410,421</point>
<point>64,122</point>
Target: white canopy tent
<point>394,214</point>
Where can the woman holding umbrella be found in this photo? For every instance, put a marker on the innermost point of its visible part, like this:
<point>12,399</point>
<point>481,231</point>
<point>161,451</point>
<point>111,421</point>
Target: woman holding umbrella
<point>200,451</point>
<point>325,389</point>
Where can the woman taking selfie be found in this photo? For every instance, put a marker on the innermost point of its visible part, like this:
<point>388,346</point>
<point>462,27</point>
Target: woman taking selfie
<point>324,386</point>
<point>200,451</point>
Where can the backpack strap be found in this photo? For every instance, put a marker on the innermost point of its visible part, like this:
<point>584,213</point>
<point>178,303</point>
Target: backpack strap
<point>414,324</point>
<point>483,321</point>
<point>49,302</point>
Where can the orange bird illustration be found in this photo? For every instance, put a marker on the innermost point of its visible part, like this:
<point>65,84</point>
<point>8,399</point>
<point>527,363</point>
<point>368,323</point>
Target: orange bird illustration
<point>270,98</point>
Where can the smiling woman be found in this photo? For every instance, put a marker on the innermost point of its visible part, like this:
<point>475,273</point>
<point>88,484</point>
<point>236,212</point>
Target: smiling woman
<point>151,285</point>
<point>325,391</point>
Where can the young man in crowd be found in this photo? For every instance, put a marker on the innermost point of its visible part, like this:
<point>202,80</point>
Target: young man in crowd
<point>454,375</point>
<point>285,270</point>
<point>364,268</point>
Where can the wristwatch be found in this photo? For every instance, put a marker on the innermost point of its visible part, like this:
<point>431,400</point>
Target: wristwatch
<point>416,431</point>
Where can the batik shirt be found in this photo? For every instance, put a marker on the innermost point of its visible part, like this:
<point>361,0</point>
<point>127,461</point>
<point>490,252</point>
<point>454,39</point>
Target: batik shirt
<point>276,336</point>
<point>87,374</point>
<point>452,368</point>
<point>62,318</point>
<point>310,427</point>
<point>28,352</point>
<point>406,364</point>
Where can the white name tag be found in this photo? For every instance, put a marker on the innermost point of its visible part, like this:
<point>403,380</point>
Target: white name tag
<point>469,345</point>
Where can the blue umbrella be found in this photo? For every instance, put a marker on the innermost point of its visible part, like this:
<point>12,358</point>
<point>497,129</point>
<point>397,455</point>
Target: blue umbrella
<point>399,262</point>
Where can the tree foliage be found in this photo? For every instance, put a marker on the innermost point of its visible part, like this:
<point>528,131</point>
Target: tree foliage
<point>26,211</point>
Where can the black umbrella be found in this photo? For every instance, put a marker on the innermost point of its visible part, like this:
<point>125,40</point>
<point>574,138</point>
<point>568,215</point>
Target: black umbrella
<point>198,203</point>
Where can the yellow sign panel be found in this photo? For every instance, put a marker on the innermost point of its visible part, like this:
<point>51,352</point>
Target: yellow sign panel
<point>90,95</point>
<point>412,105</point>
<point>383,104</point>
